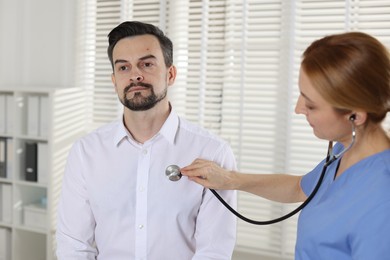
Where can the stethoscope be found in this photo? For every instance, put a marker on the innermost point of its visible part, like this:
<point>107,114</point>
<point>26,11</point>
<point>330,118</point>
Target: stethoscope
<point>174,174</point>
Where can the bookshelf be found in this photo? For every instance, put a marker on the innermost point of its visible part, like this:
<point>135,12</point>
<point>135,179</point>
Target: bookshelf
<point>37,128</point>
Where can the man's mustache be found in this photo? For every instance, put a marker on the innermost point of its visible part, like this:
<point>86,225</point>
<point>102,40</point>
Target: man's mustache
<point>139,84</point>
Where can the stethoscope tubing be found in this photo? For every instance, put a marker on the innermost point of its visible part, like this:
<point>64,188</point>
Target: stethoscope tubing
<point>276,220</point>
<point>330,158</point>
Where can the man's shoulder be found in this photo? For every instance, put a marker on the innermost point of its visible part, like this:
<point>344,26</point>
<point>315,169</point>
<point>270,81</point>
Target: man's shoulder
<point>102,132</point>
<point>190,128</point>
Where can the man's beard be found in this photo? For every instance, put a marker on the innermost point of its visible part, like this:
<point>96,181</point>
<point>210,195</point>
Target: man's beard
<point>140,103</point>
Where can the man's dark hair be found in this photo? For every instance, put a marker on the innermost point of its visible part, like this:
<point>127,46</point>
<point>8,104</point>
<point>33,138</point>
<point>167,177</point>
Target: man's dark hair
<point>134,28</point>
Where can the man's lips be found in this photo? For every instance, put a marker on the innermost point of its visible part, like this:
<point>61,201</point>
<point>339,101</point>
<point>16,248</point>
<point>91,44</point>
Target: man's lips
<point>137,88</point>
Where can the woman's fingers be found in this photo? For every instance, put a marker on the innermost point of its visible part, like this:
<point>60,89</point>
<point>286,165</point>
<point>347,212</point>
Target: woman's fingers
<point>196,168</point>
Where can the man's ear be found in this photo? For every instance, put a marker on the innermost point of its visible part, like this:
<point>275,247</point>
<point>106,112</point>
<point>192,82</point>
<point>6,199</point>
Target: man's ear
<point>171,75</point>
<point>114,81</point>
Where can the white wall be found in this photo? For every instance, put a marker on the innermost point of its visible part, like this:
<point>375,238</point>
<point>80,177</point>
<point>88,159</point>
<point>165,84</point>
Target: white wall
<point>37,43</point>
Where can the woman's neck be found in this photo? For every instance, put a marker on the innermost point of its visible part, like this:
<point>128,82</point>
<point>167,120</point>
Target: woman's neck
<point>369,141</point>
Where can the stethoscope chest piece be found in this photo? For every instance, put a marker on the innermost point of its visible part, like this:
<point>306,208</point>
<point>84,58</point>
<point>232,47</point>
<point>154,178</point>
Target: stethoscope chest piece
<point>173,172</point>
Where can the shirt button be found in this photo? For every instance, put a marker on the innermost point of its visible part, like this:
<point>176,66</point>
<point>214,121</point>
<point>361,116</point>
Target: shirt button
<point>141,189</point>
<point>145,152</point>
<point>141,226</point>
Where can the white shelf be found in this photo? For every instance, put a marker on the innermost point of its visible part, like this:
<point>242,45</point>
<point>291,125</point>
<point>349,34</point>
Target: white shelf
<point>60,123</point>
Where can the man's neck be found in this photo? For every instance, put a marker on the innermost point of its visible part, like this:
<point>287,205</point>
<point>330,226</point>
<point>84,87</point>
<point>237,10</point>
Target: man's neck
<point>143,125</point>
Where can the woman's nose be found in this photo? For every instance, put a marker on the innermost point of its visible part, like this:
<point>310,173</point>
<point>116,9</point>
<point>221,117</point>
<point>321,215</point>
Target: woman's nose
<point>299,106</point>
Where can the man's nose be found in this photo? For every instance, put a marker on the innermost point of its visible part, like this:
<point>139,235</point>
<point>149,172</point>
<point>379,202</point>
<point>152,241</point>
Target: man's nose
<point>136,77</point>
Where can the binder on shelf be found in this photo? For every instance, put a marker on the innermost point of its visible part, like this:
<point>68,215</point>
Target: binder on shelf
<point>9,160</point>
<point>31,161</point>
<point>43,116</point>
<point>3,113</point>
<point>6,203</point>
<point>5,244</point>
<point>42,163</point>
<point>3,158</point>
<point>10,113</point>
<point>33,115</point>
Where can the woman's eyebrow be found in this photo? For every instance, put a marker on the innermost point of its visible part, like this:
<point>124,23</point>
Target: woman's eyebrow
<point>306,97</point>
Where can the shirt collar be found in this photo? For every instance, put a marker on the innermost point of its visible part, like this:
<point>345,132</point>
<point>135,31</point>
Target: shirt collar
<point>120,133</point>
<point>168,130</point>
<point>170,127</point>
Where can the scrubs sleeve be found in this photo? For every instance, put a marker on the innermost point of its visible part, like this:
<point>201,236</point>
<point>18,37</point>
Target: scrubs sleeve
<point>309,181</point>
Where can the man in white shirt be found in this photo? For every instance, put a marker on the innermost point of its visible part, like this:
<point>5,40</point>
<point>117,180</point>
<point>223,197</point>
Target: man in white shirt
<point>116,201</point>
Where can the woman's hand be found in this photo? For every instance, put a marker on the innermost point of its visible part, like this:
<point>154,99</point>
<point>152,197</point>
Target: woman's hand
<point>277,187</point>
<point>209,175</point>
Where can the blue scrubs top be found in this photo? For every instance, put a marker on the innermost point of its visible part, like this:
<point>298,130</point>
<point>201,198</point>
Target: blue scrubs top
<point>349,218</point>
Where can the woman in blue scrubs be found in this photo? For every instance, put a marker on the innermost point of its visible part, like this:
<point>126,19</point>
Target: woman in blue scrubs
<point>344,84</point>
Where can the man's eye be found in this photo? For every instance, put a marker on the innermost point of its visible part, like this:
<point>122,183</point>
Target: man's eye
<point>122,68</point>
<point>148,64</point>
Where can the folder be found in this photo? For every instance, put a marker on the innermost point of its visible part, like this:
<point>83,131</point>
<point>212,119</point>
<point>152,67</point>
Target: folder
<point>43,163</point>
<point>10,114</point>
<point>31,162</point>
<point>5,244</point>
<point>33,115</point>
<point>9,160</point>
<point>3,113</point>
<point>43,116</point>
<point>3,158</point>
<point>6,203</point>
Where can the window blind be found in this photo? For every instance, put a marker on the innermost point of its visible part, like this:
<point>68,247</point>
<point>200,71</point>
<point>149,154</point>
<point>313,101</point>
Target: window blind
<point>238,63</point>
<point>255,101</point>
<point>199,32</point>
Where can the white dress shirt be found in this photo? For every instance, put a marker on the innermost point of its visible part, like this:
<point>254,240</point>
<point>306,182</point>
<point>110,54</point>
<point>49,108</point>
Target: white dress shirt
<point>117,203</point>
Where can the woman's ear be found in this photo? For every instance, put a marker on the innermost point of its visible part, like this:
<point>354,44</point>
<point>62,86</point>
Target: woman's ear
<point>358,118</point>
